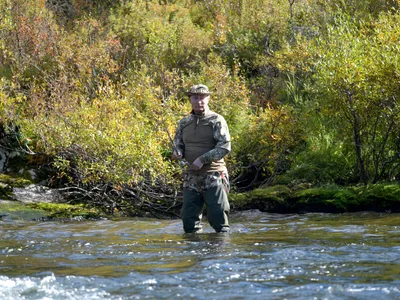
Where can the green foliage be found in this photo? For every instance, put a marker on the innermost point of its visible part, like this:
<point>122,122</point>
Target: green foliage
<point>230,96</point>
<point>324,159</point>
<point>361,77</point>
<point>380,196</point>
<point>267,145</point>
<point>309,88</point>
<point>317,168</point>
<point>354,85</point>
<point>159,35</point>
<point>105,149</point>
<point>247,31</point>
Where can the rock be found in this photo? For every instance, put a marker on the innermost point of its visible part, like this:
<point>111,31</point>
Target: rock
<point>36,193</point>
<point>32,173</point>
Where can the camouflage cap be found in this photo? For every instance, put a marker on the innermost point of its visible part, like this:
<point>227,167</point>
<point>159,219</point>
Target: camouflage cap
<point>198,89</point>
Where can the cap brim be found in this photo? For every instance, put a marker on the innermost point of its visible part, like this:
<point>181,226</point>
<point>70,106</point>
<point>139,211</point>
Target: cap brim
<point>191,94</point>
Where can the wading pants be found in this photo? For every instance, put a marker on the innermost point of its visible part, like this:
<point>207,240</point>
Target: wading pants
<point>216,201</point>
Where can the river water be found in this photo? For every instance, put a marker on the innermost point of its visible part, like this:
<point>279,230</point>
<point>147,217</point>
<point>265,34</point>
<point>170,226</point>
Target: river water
<point>267,256</point>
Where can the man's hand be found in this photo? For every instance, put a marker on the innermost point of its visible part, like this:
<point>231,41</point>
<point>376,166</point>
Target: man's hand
<point>176,155</point>
<point>197,164</point>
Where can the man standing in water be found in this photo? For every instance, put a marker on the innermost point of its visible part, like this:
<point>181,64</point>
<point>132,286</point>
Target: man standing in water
<point>203,140</point>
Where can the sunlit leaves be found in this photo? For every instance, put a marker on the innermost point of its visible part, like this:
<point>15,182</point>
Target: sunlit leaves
<point>159,35</point>
<point>104,92</point>
<point>354,73</point>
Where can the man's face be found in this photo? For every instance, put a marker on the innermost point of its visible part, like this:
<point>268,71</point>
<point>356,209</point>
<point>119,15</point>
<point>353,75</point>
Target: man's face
<point>199,102</point>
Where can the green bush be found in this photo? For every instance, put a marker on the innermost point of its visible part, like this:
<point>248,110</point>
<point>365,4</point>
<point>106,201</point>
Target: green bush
<point>309,89</point>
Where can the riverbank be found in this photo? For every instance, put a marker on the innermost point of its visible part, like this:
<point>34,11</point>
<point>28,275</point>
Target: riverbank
<point>330,199</point>
<point>21,198</point>
<point>11,210</point>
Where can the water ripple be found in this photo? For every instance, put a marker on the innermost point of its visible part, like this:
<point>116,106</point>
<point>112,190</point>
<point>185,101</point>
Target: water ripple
<point>322,256</point>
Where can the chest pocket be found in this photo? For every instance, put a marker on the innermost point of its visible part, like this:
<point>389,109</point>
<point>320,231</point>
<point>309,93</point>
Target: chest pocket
<point>201,133</point>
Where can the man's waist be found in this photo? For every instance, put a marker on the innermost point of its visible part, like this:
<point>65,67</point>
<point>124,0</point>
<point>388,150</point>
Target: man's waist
<point>216,167</point>
<point>204,181</point>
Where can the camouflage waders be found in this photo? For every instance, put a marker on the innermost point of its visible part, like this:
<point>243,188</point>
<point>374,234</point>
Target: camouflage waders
<point>210,190</point>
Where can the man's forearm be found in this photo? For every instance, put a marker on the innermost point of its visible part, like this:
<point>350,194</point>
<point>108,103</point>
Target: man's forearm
<point>214,155</point>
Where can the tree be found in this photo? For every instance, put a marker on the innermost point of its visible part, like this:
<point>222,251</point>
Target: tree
<point>355,68</point>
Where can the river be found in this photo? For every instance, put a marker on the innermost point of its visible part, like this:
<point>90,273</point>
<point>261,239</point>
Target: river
<point>266,256</point>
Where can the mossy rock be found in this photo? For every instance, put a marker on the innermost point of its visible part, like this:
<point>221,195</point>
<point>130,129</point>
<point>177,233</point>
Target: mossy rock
<point>271,199</point>
<point>380,197</point>
<point>65,211</point>
<point>14,210</point>
<point>333,199</point>
<point>5,191</point>
<point>326,199</point>
<point>14,181</point>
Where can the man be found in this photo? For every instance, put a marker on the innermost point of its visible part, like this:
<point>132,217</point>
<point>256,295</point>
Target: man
<point>203,139</point>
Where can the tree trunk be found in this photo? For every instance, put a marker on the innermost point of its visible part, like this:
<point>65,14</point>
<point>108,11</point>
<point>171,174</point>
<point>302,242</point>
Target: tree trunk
<point>358,141</point>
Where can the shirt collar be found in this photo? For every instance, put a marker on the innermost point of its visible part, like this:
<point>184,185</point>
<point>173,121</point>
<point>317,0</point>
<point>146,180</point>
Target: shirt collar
<point>202,114</point>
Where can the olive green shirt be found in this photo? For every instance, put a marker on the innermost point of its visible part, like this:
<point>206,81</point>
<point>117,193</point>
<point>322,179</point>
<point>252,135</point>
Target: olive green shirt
<point>205,136</point>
